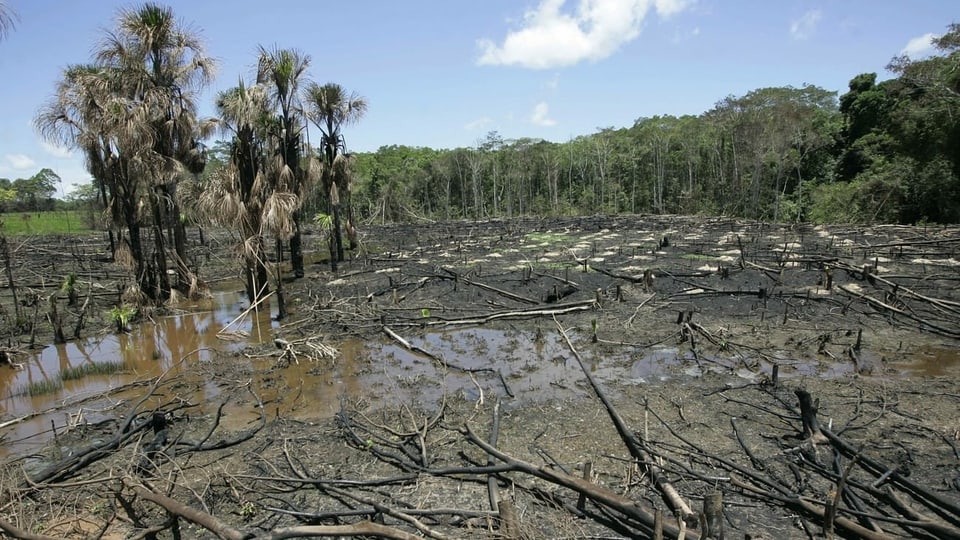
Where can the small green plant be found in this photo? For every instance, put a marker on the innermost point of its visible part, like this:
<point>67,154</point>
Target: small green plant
<point>324,221</point>
<point>425,313</point>
<point>248,511</point>
<point>40,388</point>
<point>122,315</point>
<point>69,287</point>
<point>95,368</point>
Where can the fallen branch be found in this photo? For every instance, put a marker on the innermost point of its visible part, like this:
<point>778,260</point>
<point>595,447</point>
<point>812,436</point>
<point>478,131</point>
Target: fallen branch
<point>484,286</point>
<point>596,493</point>
<point>197,517</point>
<point>669,493</point>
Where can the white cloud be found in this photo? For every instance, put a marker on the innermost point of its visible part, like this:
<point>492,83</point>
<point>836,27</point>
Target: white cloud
<point>56,150</point>
<point>541,115</point>
<point>549,38</point>
<point>477,124</point>
<point>803,27</point>
<point>20,161</point>
<point>920,46</point>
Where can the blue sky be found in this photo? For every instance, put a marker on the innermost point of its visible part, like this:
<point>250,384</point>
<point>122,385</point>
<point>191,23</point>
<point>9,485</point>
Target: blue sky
<point>444,73</point>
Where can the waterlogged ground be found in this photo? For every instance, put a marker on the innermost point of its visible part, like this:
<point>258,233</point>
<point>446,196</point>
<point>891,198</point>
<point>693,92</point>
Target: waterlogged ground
<point>688,320</point>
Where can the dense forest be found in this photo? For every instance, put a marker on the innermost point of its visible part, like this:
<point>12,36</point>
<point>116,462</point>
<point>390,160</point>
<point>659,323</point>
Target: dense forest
<point>882,152</point>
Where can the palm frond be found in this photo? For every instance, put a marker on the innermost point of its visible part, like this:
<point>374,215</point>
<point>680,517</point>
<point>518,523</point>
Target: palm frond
<point>278,214</point>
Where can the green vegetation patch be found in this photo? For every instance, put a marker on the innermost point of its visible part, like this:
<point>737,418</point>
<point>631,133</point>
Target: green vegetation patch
<point>40,388</point>
<point>95,368</point>
<point>48,222</point>
<point>698,257</point>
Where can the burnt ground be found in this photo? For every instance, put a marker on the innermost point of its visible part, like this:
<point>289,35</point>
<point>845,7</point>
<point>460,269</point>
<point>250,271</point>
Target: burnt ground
<point>700,335</point>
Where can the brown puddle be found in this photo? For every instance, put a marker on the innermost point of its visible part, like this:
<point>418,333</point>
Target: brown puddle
<point>172,343</point>
<point>932,361</point>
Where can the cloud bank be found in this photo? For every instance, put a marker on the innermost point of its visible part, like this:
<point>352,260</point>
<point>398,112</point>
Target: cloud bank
<point>20,162</point>
<point>550,37</point>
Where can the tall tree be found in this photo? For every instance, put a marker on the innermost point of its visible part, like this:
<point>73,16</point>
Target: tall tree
<point>289,167</point>
<point>237,195</point>
<point>132,113</point>
<point>34,193</point>
<point>330,108</point>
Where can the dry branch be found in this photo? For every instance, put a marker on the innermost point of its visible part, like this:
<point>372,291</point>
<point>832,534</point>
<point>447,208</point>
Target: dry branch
<point>669,493</point>
<point>501,292</point>
<point>203,519</point>
<point>596,493</point>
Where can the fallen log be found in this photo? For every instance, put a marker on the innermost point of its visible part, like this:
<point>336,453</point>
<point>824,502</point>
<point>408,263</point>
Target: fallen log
<point>666,489</point>
<point>598,494</point>
<point>486,287</point>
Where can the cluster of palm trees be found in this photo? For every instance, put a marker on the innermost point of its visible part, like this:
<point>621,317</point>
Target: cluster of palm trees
<point>272,168</point>
<point>132,112</point>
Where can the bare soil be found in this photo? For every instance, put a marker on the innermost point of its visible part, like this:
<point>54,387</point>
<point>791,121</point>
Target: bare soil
<point>700,334</point>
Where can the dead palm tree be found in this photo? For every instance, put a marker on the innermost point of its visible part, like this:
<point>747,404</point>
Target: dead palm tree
<point>132,114</point>
<point>164,66</point>
<point>330,107</point>
<point>237,195</point>
<point>88,113</point>
<point>291,170</point>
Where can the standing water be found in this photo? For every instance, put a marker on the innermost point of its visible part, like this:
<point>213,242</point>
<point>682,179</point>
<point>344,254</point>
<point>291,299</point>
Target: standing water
<point>32,399</point>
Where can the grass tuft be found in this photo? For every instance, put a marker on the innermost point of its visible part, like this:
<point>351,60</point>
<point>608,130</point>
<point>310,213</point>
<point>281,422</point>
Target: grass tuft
<point>40,388</point>
<point>95,368</point>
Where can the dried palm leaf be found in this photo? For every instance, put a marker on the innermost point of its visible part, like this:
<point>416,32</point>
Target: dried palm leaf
<point>278,214</point>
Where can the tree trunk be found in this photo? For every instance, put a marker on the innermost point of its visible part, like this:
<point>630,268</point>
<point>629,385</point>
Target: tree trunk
<point>296,246</point>
<point>337,236</point>
<point>159,268</point>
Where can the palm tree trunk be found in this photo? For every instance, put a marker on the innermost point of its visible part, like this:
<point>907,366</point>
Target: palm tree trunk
<point>161,280</point>
<point>337,237</point>
<point>350,223</point>
<point>296,246</point>
<point>256,277</point>
<point>184,274</point>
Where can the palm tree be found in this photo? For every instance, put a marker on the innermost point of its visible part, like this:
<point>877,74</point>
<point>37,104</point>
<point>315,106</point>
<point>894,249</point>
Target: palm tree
<point>88,114</point>
<point>290,169</point>
<point>165,65</point>
<point>237,195</point>
<point>8,19</point>
<point>132,113</point>
<point>330,108</point>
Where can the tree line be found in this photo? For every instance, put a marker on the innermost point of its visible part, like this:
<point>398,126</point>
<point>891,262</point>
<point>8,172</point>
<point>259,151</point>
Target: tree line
<point>881,152</point>
<point>33,194</point>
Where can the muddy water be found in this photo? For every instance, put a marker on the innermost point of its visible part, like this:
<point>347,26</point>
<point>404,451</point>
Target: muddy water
<point>173,344</point>
<point>530,366</point>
